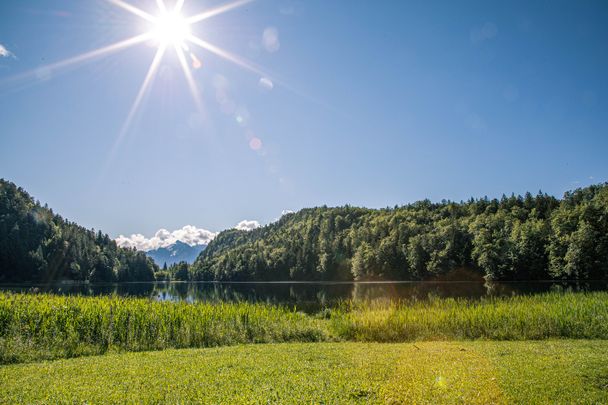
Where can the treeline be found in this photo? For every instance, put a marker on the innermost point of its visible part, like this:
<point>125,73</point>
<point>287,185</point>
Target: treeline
<point>179,271</point>
<point>516,237</point>
<point>39,245</point>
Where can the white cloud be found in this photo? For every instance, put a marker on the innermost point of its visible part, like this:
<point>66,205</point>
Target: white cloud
<point>5,52</point>
<point>270,39</point>
<point>247,225</point>
<point>283,213</point>
<point>162,238</point>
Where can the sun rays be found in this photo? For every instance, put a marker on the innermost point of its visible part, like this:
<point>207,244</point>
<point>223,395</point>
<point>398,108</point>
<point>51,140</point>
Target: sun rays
<point>166,27</point>
<point>215,11</point>
<point>132,9</point>
<point>172,32</point>
<point>142,91</point>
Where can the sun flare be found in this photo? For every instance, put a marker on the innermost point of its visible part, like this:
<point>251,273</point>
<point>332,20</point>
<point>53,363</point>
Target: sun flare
<point>171,31</point>
<point>170,28</point>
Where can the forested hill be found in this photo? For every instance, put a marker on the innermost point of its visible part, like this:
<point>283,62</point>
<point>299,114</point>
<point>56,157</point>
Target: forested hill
<point>529,237</point>
<point>39,245</point>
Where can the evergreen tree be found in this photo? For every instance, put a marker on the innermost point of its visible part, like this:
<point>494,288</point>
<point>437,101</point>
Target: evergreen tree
<point>529,237</point>
<point>38,245</point>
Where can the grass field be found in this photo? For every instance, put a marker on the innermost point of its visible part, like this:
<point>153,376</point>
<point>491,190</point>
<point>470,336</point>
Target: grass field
<point>562,371</point>
<point>36,327</point>
<point>459,351</point>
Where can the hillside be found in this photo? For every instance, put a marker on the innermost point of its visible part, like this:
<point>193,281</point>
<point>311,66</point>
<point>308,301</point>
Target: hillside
<point>516,237</point>
<point>38,245</point>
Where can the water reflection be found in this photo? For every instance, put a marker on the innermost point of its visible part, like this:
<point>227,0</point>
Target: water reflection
<point>308,296</point>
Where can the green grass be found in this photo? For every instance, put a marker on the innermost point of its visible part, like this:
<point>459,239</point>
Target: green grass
<point>460,355</point>
<point>40,326</point>
<point>483,372</point>
<point>35,327</point>
<point>543,316</point>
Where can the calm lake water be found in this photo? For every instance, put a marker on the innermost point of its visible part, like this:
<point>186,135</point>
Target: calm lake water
<point>308,296</point>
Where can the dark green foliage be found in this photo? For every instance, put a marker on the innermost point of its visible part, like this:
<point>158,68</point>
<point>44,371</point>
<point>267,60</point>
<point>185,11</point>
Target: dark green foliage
<point>180,271</point>
<point>176,272</point>
<point>530,237</point>
<point>38,245</point>
<point>579,242</point>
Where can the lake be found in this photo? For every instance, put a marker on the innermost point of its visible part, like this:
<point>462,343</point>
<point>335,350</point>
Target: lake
<point>308,296</point>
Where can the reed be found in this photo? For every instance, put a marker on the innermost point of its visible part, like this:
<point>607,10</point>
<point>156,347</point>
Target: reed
<point>43,326</point>
<point>543,316</point>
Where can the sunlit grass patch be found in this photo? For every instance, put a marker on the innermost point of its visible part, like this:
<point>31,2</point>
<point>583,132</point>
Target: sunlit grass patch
<point>565,371</point>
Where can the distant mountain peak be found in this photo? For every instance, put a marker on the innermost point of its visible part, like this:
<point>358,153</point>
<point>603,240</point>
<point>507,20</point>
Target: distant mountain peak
<point>176,252</point>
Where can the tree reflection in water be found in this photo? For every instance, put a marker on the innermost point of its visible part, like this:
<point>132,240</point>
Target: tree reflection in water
<point>309,297</point>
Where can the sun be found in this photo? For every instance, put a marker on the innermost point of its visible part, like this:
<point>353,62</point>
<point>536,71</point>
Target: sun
<point>170,28</point>
<point>171,31</point>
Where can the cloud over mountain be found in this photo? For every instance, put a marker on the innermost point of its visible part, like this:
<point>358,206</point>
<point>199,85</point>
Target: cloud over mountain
<point>189,234</point>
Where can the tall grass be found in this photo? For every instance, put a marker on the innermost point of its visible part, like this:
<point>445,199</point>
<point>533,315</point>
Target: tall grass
<point>49,326</point>
<point>549,315</point>
<point>34,327</point>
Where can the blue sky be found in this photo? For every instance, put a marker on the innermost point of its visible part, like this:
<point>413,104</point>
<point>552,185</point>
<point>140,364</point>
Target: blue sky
<point>372,104</point>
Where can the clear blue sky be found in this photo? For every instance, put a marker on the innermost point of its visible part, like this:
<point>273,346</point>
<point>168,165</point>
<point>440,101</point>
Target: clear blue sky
<point>373,104</point>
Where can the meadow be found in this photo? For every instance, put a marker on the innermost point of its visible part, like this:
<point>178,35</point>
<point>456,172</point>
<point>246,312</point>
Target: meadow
<point>471,372</point>
<point>36,327</point>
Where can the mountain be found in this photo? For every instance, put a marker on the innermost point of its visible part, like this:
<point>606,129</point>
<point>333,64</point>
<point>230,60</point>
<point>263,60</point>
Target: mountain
<point>175,253</point>
<point>512,238</point>
<point>38,245</point>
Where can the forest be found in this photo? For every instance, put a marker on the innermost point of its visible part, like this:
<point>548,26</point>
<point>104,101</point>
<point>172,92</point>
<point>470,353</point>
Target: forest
<point>512,238</point>
<point>40,246</point>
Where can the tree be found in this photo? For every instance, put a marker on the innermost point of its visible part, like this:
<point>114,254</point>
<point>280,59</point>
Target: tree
<point>38,245</point>
<point>530,237</point>
<point>180,271</point>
